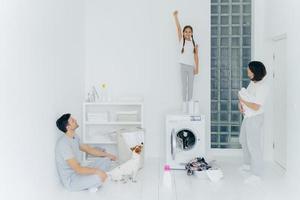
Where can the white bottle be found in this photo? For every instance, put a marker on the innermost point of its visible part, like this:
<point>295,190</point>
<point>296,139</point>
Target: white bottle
<point>103,92</point>
<point>167,177</point>
<point>196,108</point>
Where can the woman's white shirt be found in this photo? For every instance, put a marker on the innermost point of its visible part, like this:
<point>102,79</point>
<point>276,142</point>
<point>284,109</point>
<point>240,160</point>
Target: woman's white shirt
<point>257,92</point>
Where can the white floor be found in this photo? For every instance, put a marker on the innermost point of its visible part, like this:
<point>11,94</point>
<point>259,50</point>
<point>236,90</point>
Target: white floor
<point>149,185</point>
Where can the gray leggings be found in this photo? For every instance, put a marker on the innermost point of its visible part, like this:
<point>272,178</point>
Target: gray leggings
<point>251,141</point>
<point>82,182</point>
<point>187,79</point>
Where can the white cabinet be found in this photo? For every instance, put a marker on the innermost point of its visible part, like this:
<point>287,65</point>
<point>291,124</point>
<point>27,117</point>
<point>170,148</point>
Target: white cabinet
<point>102,120</point>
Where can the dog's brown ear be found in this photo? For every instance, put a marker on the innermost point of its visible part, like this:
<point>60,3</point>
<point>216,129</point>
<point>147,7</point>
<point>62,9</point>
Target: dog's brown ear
<point>138,150</point>
<point>133,148</point>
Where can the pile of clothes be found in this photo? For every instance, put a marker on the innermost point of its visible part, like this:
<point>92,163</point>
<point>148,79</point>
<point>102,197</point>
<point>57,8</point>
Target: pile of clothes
<point>198,165</point>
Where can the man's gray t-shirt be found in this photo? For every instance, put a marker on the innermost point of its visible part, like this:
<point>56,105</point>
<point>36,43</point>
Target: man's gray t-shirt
<point>67,148</point>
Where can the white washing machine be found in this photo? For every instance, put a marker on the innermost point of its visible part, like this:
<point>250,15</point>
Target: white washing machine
<point>185,139</point>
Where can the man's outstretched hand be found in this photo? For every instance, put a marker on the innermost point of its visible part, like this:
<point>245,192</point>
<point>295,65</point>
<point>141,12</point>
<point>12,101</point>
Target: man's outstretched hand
<point>112,157</point>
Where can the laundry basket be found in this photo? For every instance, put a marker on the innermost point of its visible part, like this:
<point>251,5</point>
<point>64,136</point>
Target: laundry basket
<point>128,138</point>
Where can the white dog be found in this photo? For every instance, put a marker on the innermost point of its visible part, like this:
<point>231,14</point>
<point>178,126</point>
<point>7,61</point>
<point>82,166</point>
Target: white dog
<point>129,169</point>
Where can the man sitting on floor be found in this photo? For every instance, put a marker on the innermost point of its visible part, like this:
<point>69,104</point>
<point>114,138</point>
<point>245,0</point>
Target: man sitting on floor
<point>72,173</point>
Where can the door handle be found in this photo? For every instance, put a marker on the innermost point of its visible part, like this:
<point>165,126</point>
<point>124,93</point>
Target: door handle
<point>173,144</point>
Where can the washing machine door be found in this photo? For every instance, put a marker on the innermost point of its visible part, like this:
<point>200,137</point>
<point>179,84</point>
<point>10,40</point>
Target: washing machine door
<point>185,139</point>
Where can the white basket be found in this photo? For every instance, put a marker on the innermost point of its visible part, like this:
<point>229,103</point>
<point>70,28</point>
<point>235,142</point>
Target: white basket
<point>201,175</point>
<point>214,174</point>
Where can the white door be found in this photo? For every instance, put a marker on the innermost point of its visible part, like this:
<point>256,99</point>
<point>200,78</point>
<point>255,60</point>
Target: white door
<point>279,95</point>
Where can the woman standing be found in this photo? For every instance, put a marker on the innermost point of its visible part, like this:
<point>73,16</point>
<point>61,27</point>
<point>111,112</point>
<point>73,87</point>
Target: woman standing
<point>188,59</point>
<point>251,104</point>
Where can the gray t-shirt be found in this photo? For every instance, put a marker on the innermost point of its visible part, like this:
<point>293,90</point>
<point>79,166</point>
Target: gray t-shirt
<point>67,148</point>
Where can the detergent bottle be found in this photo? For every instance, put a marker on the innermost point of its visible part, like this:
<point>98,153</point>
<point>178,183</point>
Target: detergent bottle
<point>167,177</point>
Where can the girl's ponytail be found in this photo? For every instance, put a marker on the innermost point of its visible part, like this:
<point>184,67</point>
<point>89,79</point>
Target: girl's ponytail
<point>182,50</point>
<point>194,44</point>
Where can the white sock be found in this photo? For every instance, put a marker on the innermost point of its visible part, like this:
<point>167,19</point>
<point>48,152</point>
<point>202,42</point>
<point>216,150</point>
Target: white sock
<point>109,177</point>
<point>93,189</point>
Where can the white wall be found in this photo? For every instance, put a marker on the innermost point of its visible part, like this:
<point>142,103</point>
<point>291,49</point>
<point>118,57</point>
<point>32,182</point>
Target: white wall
<point>261,42</point>
<point>293,97</point>
<point>132,46</point>
<point>276,18</point>
<point>41,62</point>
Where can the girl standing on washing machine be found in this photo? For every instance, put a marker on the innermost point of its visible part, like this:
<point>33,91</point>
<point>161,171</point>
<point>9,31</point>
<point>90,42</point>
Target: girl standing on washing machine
<point>188,59</point>
<point>251,105</point>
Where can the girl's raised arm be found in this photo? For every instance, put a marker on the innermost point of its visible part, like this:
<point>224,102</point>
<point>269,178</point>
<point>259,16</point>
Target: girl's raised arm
<point>179,31</point>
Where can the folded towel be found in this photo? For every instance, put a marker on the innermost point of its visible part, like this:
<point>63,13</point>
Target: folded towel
<point>246,96</point>
<point>243,93</point>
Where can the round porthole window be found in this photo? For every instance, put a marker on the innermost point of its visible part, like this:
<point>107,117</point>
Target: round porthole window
<point>185,139</point>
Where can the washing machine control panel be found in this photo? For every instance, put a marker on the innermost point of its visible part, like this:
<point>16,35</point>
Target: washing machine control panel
<point>180,118</point>
<point>196,118</point>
